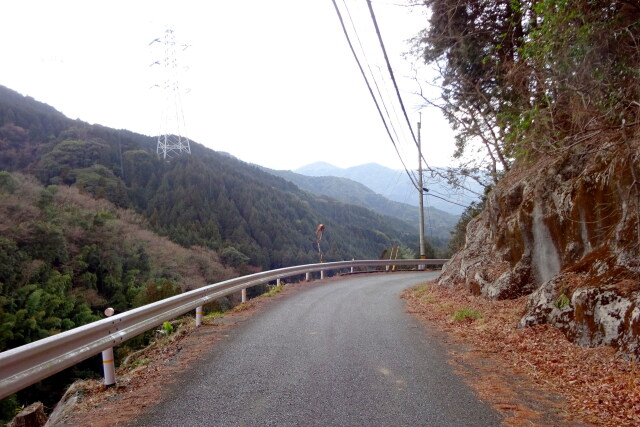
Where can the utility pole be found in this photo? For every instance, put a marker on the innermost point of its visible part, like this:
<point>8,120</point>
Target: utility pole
<point>421,195</point>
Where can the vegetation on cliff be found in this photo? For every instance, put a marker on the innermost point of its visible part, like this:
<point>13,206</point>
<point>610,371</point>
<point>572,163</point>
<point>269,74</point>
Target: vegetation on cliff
<point>548,91</point>
<point>521,79</point>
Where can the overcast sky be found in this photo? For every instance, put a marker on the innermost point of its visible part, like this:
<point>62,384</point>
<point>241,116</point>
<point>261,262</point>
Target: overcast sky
<point>270,82</point>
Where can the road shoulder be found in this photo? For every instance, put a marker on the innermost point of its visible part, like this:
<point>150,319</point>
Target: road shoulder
<point>531,375</point>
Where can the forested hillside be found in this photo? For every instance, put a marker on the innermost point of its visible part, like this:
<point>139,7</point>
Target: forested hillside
<point>66,256</point>
<point>438,224</point>
<point>208,198</point>
<point>65,253</point>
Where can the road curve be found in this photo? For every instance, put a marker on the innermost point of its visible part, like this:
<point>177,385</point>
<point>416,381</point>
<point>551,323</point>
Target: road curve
<point>340,353</point>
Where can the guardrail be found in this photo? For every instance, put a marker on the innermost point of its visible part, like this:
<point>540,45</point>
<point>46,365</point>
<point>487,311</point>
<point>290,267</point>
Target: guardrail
<point>23,366</point>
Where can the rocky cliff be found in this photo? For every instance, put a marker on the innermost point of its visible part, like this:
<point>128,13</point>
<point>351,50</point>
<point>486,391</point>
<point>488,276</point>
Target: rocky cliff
<point>564,230</point>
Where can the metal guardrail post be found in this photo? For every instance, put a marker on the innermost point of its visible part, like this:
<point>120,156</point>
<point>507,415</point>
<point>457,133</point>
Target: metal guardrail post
<point>108,361</point>
<point>307,276</point>
<point>321,274</point>
<point>199,310</point>
<point>243,294</point>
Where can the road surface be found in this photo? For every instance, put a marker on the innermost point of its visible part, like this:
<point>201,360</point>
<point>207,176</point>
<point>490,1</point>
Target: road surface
<point>340,353</point>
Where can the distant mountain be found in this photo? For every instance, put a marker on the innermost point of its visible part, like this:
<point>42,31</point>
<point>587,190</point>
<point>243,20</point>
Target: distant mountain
<point>395,185</point>
<point>438,224</point>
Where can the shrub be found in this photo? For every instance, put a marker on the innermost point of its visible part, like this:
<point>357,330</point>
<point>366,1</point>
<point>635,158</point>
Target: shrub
<point>168,328</point>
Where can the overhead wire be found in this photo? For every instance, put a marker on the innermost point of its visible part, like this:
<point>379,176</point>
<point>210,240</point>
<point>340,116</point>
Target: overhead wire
<point>395,85</point>
<point>392,75</point>
<point>386,126</point>
<point>446,200</point>
<point>366,60</point>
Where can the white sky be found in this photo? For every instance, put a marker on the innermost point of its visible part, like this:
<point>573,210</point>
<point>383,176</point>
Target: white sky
<point>270,82</point>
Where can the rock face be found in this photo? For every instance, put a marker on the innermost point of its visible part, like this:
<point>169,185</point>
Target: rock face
<point>565,231</point>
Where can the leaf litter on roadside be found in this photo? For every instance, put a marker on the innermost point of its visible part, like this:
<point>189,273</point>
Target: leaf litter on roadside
<point>596,384</point>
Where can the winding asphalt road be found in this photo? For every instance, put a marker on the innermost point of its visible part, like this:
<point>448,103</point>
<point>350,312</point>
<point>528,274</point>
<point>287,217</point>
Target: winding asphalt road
<point>340,353</point>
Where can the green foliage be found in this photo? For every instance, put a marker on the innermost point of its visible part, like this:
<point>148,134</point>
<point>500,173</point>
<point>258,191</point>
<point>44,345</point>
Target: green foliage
<point>101,218</point>
<point>156,291</point>
<point>63,259</point>
<point>466,314</point>
<point>585,56</point>
<point>9,407</point>
<point>61,265</point>
<point>524,77</point>
<point>11,264</point>
<point>102,183</point>
<point>273,290</point>
<point>39,309</point>
<point>233,257</point>
<point>562,301</point>
<point>45,241</point>
<point>167,327</point>
<point>218,202</point>
<point>7,183</point>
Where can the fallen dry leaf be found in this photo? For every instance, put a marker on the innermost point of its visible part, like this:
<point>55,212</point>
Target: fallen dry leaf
<point>576,384</point>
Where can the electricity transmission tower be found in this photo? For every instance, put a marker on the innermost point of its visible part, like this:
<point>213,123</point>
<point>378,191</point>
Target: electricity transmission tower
<point>171,138</point>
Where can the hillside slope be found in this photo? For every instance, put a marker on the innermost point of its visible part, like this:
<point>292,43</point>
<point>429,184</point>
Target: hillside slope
<point>207,199</point>
<point>66,256</point>
<point>551,89</point>
<point>439,224</point>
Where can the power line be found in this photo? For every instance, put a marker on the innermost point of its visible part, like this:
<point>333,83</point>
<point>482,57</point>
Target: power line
<point>344,29</point>
<point>449,201</point>
<point>411,176</point>
<point>393,78</point>
<point>395,84</point>
<point>373,77</point>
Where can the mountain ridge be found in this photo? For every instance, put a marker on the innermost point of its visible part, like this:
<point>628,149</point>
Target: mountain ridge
<point>439,224</point>
<point>395,185</point>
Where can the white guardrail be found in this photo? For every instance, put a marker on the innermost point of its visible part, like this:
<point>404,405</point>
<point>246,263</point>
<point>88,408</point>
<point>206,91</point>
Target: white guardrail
<point>23,366</point>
